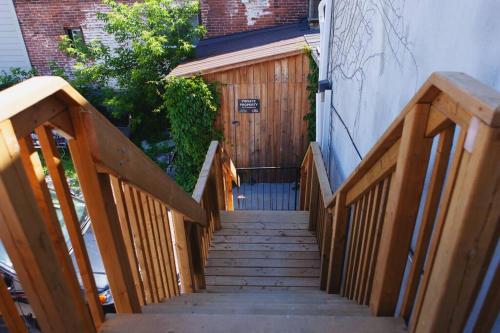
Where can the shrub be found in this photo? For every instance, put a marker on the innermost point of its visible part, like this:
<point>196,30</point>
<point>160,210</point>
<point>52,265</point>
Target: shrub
<point>15,75</point>
<point>312,88</point>
<point>192,106</point>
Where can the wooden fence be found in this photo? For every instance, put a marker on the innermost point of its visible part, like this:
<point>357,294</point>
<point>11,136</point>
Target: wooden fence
<point>365,228</point>
<point>133,206</point>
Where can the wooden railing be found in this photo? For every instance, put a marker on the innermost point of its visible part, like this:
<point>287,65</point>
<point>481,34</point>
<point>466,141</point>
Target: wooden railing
<point>144,223</point>
<point>438,164</point>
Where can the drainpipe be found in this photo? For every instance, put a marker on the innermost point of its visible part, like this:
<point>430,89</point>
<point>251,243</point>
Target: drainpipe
<point>323,96</point>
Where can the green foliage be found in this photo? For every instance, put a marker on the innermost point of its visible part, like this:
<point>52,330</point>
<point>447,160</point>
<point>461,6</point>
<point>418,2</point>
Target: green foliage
<point>312,88</point>
<point>152,36</point>
<point>67,164</point>
<point>192,106</point>
<point>15,75</point>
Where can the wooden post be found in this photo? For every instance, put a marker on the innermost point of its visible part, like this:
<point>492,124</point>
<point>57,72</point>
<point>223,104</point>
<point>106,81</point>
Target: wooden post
<point>337,248</point>
<point>29,245</point>
<point>182,253</point>
<point>99,199</point>
<point>402,208</point>
<point>469,235</point>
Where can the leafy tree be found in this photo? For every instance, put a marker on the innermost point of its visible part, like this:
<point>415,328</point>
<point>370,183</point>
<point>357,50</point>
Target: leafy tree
<point>192,106</point>
<point>152,37</point>
<point>15,75</point>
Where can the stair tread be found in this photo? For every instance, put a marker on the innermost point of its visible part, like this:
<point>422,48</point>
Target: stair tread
<point>268,216</point>
<point>250,297</point>
<point>208,323</point>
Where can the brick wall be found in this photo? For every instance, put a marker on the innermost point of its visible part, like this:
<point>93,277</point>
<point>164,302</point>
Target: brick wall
<point>43,21</point>
<point>222,17</point>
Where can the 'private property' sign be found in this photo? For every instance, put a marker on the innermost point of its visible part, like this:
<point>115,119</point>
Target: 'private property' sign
<point>249,105</point>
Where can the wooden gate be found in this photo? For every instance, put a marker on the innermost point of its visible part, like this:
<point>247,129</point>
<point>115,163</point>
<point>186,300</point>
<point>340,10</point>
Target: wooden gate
<point>277,134</point>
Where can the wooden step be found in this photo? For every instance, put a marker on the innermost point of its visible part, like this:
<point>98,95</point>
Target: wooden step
<point>272,309</point>
<point>265,232</point>
<point>259,298</point>
<point>225,254</point>
<point>262,289</point>
<point>212,323</point>
<point>249,216</point>
<point>286,263</point>
<point>262,271</point>
<point>264,239</point>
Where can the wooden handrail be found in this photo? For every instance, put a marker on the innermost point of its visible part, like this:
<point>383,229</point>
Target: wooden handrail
<point>371,217</point>
<point>145,225</point>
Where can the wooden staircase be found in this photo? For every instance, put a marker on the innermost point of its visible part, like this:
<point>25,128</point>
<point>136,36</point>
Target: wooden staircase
<point>262,275</point>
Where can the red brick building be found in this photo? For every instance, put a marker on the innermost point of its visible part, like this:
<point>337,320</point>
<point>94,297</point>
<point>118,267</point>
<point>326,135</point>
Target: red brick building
<point>222,17</point>
<point>42,22</point>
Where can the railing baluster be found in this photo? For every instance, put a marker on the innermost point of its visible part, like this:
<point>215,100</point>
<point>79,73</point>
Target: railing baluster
<point>146,242</point>
<point>173,270</point>
<point>56,171</point>
<point>34,171</point>
<point>181,247</point>
<point>127,235</point>
<point>140,245</point>
<point>162,249</point>
<point>428,217</point>
<point>402,209</point>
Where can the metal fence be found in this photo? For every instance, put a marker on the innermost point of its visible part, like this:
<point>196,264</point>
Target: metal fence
<point>267,188</point>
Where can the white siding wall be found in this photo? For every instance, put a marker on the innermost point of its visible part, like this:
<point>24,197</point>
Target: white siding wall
<point>12,49</point>
<point>382,53</point>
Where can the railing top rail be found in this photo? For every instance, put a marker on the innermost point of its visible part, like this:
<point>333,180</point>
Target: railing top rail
<point>475,98</point>
<point>324,183</point>
<point>109,147</point>
<point>201,183</point>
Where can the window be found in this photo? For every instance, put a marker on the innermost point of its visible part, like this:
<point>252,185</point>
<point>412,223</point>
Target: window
<point>75,34</point>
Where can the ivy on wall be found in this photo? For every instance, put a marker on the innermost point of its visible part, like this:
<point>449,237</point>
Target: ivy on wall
<point>192,106</point>
<point>312,89</point>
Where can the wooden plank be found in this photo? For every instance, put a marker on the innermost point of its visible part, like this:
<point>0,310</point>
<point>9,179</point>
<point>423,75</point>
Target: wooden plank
<point>428,217</point>
<point>168,233</point>
<point>379,170</point>
<point>402,208</point>
<point>265,232</point>
<point>165,257</point>
<point>358,239</point>
<point>488,313</point>
<point>337,248</point>
<point>265,226</point>
<point>325,247</point>
<point>262,281</point>
<point>373,218</point>
<point>263,239</point>
<point>8,311</point>
<point>265,247</point>
<point>257,254</point>
<point>313,200</point>
<point>471,226</point>
<point>258,263</point>
<point>378,233</point>
<point>160,245</point>
<point>437,122</point>
<point>56,171</point>
<point>139,242</point>
<point>181,252</point>
<point>438,228</point>
<point>151,235</point>
<point>98,196</point>
<point>265,216</point>
<point>126,229</point>
<point>362,269</point>
<point>36,176</point>
<point>28,244</point>
<point>201,183</point>
<point>319,164</point>
<point>261,271</point>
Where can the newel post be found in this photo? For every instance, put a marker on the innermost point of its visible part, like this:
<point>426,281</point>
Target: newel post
<point>402,208</point>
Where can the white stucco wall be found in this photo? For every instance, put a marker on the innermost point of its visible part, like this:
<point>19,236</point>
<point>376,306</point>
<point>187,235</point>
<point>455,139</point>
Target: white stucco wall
<point>383,50</point>
<point>12,49</point>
